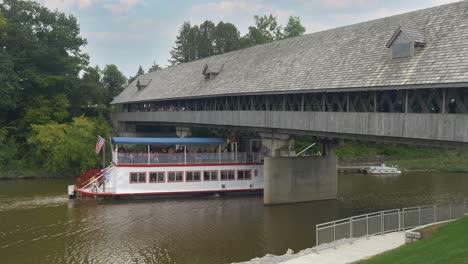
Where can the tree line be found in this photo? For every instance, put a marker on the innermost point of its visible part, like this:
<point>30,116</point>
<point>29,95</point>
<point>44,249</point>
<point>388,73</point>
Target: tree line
<point>53,103</point>
<point>207,39</point>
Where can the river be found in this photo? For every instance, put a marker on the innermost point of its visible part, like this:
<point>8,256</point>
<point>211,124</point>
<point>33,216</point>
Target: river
<point>38,224</point>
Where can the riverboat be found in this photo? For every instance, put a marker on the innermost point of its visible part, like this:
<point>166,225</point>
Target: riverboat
<point>174,167</point>
<point>383,169</point>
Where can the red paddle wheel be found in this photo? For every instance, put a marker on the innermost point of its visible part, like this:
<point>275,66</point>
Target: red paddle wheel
<point>87,176</point>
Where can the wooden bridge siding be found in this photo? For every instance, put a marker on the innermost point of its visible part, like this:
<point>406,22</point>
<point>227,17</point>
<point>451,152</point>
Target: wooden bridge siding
<point>442,127</point>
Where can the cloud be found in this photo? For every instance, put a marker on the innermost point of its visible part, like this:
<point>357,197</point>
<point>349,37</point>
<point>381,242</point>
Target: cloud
<point>340,4</point>
<point>443,2</point>
<point>66,4</point>
<point>113,6</point>
<point>238,12</point>
<point>121,6</point>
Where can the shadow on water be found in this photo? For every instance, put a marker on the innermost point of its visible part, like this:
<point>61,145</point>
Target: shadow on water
<point>39,225</point>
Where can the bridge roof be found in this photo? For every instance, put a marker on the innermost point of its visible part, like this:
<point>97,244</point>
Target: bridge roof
<point>351,57</point>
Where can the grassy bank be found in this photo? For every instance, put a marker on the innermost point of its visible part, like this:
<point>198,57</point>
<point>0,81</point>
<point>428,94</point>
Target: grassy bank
<point>448,244</point>
<point>408,157</point>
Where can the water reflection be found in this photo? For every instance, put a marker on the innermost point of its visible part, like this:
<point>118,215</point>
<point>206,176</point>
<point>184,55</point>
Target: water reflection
<point>39,225</point>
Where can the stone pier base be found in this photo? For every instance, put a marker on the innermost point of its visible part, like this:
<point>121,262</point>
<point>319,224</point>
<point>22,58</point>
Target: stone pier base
<point>299,179</point>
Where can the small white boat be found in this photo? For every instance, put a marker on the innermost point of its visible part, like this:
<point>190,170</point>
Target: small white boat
<point>383,169</point>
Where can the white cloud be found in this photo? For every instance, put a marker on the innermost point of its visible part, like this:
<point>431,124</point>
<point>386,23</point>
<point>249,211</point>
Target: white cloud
<point>443,2</point>
<point>238,12</point>
<point>114,6</point>
<point>66,4</point>
<point>121,6</point>
<point>340,4</point>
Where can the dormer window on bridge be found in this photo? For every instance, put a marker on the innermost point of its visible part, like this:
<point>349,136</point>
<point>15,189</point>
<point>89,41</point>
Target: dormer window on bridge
<point>405,43</point>
<point>210,72</point>
<point>142,83</point>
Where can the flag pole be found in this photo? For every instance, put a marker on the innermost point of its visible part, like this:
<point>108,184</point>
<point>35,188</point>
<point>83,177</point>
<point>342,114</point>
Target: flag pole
<point>104,155</point>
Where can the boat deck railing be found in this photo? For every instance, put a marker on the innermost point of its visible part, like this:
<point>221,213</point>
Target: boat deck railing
<point>186,158</point>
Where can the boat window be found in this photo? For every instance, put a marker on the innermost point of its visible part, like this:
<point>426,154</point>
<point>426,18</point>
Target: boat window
<point>137,177</point>
<point>175,176</point>
<point>210,175</point>
<point>227,175</point>
<point>244,174</point>
<point>192,176</point>
<point>157,176</point>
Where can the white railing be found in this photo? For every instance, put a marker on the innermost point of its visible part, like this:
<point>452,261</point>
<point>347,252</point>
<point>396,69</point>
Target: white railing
<point>186,158</point>
<point>379,223</point>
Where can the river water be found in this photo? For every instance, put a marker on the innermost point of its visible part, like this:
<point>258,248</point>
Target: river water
<point>38,224</point>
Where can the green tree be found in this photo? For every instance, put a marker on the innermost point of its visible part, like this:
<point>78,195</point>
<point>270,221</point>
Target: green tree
<point>91,97</point>
<point>185,45</point>
<point>42,110</point>
<point>45,47</point>
<point>138,73</point>
<point>154,68</point>
<point>68,147</point>
<point>294,28</point>
<point>226,38</point>
<point>266,30</point>
<point>205,39</point>
<point>114,82</point>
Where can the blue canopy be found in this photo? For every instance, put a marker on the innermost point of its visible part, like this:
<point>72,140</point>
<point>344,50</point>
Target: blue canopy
<point>166,141</point>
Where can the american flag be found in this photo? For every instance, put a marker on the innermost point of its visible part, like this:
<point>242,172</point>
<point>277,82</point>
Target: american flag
<point>99,143</point>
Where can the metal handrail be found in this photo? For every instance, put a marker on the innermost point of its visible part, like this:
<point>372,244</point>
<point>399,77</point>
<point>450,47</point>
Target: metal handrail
<point>387,221</point>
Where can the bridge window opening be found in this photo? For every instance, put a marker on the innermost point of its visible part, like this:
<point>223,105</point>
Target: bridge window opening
<point>313,102</point>
<point>457,101</point>
<point>259,103</point>
<point>391,101</point>
<point>227,175</point>
<point>175,176</point>
<point>335,102</point>
<point>360,102</point>
<point>425,101</point>
<point>293,102</point>
<point>137,177</point>
<point>245,103</point>
<point>244,174</point>
<point>192,176</point>
<point>157,176</point>
<point>210,175</point>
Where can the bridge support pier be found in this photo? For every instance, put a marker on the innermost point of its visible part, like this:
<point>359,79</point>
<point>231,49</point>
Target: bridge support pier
<point>278,144</point>
<point>183,132</point>
<point>299,179</point>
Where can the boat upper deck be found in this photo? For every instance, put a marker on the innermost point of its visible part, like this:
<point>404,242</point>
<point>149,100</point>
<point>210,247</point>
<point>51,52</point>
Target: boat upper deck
<point>155,158</point>
<point>183,151</point>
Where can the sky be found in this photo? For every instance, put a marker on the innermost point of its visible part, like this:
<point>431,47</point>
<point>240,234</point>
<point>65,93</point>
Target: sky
<point>130,33</point>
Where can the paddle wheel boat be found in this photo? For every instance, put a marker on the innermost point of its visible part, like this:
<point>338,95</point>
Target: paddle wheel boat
<point>174,167</point>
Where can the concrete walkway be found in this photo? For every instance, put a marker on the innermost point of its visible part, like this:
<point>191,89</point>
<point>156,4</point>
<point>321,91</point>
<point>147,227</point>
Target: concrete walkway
<point>344,253</point>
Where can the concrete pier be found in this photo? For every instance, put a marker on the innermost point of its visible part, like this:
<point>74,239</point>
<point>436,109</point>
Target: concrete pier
<point>299,179</point>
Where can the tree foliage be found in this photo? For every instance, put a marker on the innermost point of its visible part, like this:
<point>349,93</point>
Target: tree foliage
<point>226,38</point>
<point>46,82</point>
<point>114,81</point>
<point>294,28</point>
<point>206,39</point>
<point>154,67</point>
<point>67,147</point>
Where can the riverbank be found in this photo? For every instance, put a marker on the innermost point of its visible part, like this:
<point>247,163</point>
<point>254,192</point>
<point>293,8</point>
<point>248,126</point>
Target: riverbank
<point>346,252</point>
<point>26,175</point>
<point>448,244</point>
<point>406,157</point>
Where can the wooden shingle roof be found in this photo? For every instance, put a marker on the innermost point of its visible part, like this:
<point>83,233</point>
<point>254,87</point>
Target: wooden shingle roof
<point>351,57</point>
